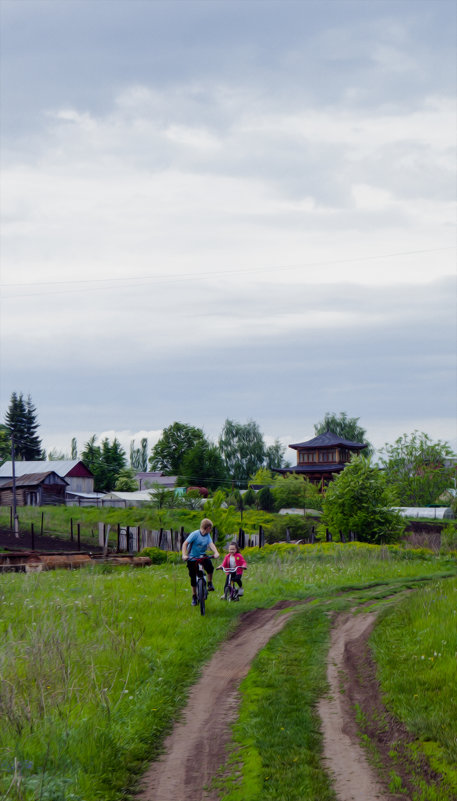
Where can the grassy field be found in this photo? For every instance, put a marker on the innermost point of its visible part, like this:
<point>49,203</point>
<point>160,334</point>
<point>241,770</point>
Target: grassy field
<point>95,664</point>
<point>415,646</point>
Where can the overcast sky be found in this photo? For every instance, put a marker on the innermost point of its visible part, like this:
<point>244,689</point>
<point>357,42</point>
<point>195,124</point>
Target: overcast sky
<point>229,209</point>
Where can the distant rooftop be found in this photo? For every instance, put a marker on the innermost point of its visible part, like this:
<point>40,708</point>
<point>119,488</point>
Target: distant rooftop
<point>327,440</point>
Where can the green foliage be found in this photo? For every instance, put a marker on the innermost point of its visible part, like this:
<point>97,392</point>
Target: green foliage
<point>242,448</point>
<point>299,528</point>
<point>156,555</point>
<point>265,499</point>
<point>203,466</point>
<point>415,466</point>
<point>74,448</point>
<point>126,481</point>
<point>295,491</point>
<point>139,456</point>
<point>176,440</point>
<point>359,500</point>
<point>262,476</point>
<point>346,427</point>
<point>249,498</point>
<point>21,421</point>
<point>192,500</point>
<point>105,461</point>
<point>164,498</point>
<point>5,444</point>
<point>449,538</point>
<point>274,455</point>
<point>415,645</point>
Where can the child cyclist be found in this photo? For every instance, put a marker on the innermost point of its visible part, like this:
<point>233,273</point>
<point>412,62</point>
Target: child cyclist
<point>195,547</point>
<point>234,559</point>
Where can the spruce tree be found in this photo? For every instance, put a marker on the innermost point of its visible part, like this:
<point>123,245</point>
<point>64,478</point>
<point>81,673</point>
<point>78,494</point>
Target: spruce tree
<point>33,447</point>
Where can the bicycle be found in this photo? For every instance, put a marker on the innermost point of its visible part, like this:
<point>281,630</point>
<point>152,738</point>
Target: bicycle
<point>231,590</point>
<point>202,589</point>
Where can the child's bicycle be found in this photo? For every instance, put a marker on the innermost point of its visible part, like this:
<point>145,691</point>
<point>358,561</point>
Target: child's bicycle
<point>231,590</point>
<point>202,589</point>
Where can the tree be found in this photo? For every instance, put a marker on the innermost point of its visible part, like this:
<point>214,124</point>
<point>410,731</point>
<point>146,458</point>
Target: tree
<point>295,491</point>
<point>242,448</point>
<point>265,499</point>
<point>202,466</point>
<point>359,500</point>
<point>346,427</point>
<point>261,476</point>
<point>168,453</point>
<point>74,448</point>
<point>21,422</point>
<point>105,461</point>
<point>56,456</point>
<point>139,456</point>
<point>5,444</point>
<point>126,481</point>
<point>418,468</point>
<point>274,455</point>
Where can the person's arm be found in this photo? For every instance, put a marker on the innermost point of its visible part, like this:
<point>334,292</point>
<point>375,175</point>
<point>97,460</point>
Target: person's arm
<point>185,552</point>
<point>214,549</point>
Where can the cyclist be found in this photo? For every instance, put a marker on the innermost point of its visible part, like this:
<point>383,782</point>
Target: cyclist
<point>234,559</point>
<point>195,547</point>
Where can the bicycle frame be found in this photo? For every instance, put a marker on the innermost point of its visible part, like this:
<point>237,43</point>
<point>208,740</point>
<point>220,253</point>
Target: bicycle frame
<point>231,591</point>
<point>202,589</point>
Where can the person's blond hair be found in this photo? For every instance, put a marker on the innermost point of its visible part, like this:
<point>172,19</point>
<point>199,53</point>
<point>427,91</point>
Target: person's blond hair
<point>206,523</point>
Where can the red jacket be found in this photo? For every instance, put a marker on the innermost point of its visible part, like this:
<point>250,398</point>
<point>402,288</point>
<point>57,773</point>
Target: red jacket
<point>240,562</point>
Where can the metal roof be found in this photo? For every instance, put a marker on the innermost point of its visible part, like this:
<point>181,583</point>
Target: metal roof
<point>60,466</point>
<point>321,467</point>
<point>31,480</point>
<point>328,440</point>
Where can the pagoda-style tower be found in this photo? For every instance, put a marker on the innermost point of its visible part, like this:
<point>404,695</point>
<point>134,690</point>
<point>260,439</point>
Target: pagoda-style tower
<point>321,459</point>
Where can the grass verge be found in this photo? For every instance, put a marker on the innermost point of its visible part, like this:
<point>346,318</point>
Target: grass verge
<point>415,647</point>
<point>277,738</point>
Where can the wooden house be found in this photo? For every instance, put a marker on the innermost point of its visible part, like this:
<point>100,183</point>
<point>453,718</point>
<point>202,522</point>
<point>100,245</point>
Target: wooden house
<point>35,489</point>
<point>321,459</point>
<point>78,477</point>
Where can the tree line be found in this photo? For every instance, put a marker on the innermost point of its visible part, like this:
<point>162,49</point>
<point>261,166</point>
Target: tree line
<point>412,471</point>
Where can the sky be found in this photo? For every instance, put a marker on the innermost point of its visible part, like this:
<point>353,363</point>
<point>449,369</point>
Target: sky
<point>223,209</point>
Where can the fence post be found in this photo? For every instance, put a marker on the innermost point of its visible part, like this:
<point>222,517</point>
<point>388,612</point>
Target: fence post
<point>181,536</point>
<point>342,537</point>
<point>260,536</point>
<point>312,538</point>
<point>11,518</point>
<point>71,529</point>
<point>118,537</point>
<point>32,531</point>
<point>42,523</point>
<point>79,536</point>
<point>352,536</point>
<point>287,535</point>
<point>328,536</point>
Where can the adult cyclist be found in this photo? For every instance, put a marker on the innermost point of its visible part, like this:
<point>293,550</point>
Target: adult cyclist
<point>195,547</point>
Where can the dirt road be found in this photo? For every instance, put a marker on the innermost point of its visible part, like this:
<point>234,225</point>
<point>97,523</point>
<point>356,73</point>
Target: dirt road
<point>196,747</point>
<point>353,777</point>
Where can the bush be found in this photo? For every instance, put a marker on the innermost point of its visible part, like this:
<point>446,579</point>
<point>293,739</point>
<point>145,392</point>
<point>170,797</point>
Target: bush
<point>156,555</point>
<point>449,538</point>
<point>249,498</point>
<point>266,499</point>
<point>299,528</point>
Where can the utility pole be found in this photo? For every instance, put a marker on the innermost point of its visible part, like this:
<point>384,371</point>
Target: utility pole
<point>15,517</point>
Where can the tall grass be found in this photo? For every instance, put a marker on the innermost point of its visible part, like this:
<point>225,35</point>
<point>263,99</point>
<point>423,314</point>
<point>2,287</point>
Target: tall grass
<point>95,664</point>
<point>415,646</point>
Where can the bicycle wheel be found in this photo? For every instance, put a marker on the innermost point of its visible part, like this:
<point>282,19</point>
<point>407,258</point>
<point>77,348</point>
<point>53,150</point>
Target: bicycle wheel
<point>201,594</point>
<point>227,592</point>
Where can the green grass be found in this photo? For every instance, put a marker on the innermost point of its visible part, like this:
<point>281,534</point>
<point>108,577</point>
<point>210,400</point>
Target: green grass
<point>277,738</point>
<point>415,647</point>
<point>95,664</point>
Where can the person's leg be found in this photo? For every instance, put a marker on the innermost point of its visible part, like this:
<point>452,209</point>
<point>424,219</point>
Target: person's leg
<point>208,566</point>
<point>192,568</point>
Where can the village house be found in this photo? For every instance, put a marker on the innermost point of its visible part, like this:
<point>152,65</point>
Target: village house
<point>77,476</point>
<point>321,459</point>
<point>35,489</point>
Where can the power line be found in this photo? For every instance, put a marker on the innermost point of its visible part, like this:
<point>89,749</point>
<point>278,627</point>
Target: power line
<point>92,284</point>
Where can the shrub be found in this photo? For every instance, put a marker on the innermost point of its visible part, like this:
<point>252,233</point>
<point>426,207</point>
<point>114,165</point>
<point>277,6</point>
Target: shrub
<point>299,528</point>
<point>156,555</point>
